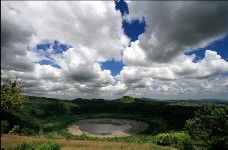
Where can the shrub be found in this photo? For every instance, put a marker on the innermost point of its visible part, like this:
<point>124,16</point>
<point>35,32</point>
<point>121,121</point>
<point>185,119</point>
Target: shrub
<point>49,146</point>
<point>26,146</point>
<point>4,125</point>
<point>15,130</point>
<point>179,140</point>
<point>209,128</point>
<point>11,94</point>
<point>54,135</point>
<point>34,146</point>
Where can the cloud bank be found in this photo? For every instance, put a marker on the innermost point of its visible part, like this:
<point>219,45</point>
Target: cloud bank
<point>155,64</point>
<point>177,27</point>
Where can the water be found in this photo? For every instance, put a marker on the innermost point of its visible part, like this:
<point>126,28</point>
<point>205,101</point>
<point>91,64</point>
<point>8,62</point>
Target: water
<point>97,128</point>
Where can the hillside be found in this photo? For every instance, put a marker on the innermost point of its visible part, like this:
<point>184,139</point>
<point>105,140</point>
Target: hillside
<point>48,115</point>
<point>50,118</point>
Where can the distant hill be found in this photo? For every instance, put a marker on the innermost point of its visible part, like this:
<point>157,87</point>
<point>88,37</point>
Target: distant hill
<point>80,99</point>
<point>83,100</point>
<point>189,100</point>
<point>127,99</point>
<point>200,101</point>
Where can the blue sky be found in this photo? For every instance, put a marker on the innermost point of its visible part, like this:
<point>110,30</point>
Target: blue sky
<point>135,28</point>
<point>132,30</point>
<point>114,66</point>
<point>111,49</point>
<point>219,46</point>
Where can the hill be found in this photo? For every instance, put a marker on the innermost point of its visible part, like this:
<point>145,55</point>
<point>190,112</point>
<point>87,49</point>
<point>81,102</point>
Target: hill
<point>50,118</point>
<point>47,115</point>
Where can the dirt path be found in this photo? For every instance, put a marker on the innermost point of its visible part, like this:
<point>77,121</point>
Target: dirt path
<point>136,127</point>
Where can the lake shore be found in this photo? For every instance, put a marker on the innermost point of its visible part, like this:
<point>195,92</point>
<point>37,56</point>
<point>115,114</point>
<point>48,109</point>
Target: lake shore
<point>136,127</point>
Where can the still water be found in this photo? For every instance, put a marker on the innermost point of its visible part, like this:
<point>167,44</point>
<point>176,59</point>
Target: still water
<point>97,128</point>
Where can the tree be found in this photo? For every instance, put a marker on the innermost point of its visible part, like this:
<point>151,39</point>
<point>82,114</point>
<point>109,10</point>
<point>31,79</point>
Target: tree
<point>210,127</point>
<point>11,94</point>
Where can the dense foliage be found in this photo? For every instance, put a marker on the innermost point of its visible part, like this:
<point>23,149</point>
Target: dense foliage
<point>47,117</point>
<point>210,127</point>
<point>35,146</point>
<point>4,125</point>
<point>179,140</point>
<point>12,94</point>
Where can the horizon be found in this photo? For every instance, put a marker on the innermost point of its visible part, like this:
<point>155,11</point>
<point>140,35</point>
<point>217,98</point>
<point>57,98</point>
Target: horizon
<point>110,49</point>
<point>141,98</point>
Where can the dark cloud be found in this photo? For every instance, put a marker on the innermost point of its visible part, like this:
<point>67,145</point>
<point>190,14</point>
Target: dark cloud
<point>83,73</point>
<point>176,27</point>
<point>14,38</point>
<point>21,65</point>
<point>12,32</point>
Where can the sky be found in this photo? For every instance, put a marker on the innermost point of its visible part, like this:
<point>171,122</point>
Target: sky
<point>109,49</point>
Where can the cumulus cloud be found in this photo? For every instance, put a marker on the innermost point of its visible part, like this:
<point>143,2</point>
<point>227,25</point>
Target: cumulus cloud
<point>176,27</point>
<point>182,67</point>
<point>14,38</point>
<point>77,23</point>
<point>155,65</point>
<point>211,65</point>
<point>180,76</point>
<point>134,55</point>
<point>92,29</point>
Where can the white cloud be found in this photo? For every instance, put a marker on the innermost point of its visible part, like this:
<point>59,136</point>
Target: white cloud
<point>134,55</point>
<point>84,24</point>
<point>155,64</point>
<point>180,76</point>
<point>211,65</point>
<point>175,27</point>
<point>93,29</point>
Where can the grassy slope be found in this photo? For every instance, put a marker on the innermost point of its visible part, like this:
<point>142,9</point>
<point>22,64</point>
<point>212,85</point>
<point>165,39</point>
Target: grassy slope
<point>9,141</point>
<point>50,118</point>
<point>43,115</point>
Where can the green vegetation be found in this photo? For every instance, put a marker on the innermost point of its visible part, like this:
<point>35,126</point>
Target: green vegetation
<point>11,94</point>
<point>35,146</point>
<point>10,142</point>
<point>179,140</point>
<point>209,128</point>
<point>15,130</point>
<point>127,99</point>
<point>47,117</point>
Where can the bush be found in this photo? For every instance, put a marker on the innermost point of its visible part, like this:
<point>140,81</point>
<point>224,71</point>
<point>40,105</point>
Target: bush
<point>26,146</point>
<point>11,94</point>
<point>34,146</point>
<point>15,130</point>
<point>54,135</point>
<point>179,140</point>
<point>49,146</point>
<point>209,128</point>
<point>4,125</point>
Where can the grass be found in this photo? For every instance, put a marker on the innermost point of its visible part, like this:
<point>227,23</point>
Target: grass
<point>11,141</point>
